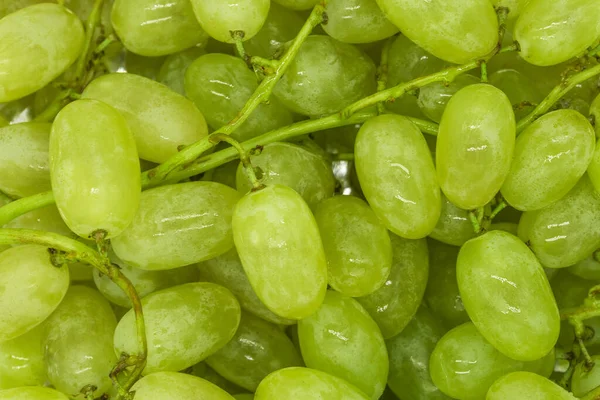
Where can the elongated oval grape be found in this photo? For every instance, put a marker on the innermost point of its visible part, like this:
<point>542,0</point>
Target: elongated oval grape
<point>184,325</point>
<point>526,386</point>
<point>22,360</point>
<point>397,175</point>
<point>475,145</point>
<point>507,295</point>
<point>595,113</point>
<point>273,229</point>
<point>454,226</point>
<point>156,27</point>
<point>32,393</point>
<point>357,21</point>
<point>159,119</point>
<point>324,63</point>
<point>550,33</point>
<point>38,44</point>
<point>195,227</point>
<point>306,383</point>
<point>220,85</point>
<point>433,98</point>
<point>550,156</point>
<point>177,386</point>
<point>172,72</point>
<point>457,31</point>
<point>31,289</point>
<point>394,304</point>
<point>281,26</point>
<point>584,381</point>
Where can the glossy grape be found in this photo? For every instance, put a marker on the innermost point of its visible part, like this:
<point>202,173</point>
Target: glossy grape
<point>42,219</point>
<point>357,21</point>
<point>281,26</point>
<point>584,381</point>
<point>177,386</point>
<point>526,386</point>
<point>32,393</point>
<point>454,226</point>
<point>172,72</point>
<point>22,360</point>
<point>519,88</point>
<point>148,67</point>
<point>434,97</point>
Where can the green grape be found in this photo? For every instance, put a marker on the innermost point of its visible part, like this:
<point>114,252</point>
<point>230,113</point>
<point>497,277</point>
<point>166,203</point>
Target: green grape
<point>550,156</point>
<point>225,174</point>
<point>94,168</point>
<point>281,26</point>
<point>24,159</point>
<point>172,72</point>
<point>526,386</point>
<point>10,6</point>
<point>177,386</point>
<point>595,113</point>
<point>220,85</point>
<point>278,241</point>
<point>148,67</point>
<point>245,396</point>
<point>475,145</point>
<point>434,97</point>
<point>38,44</point>
<point>454,226</point>
<point>553,32</point>
<point>584,381</point>
<point>202,370</point>
<point>31,287</point>
<point>184,325</point>
<point>195,227</point>
<point>593,168</point>
<point>587,269</point>
<point>3,122</point>
<point>32,393</point>
<point>357,245</point>
<point>343,340</point>
<point>325,77</point>
<point>291,165</point>
<point>409,354</point>
<point>83,8</point>
<point>509,227</point>
<point>221,19</point>
<point>257,349</point>
<point>338,140</point>
<point>515,7</point>
<point>397,175</point>
<point>306,384</point>
<point>160,119</point>
<point>394,304</point>
<point>22,360</point>
<point>457,31</point>
<point>297,4</point>
<point>78,348</point>
<point>507,295</point>
<point>518,87</point>
<point>567,231</point>
<point>42,219</point>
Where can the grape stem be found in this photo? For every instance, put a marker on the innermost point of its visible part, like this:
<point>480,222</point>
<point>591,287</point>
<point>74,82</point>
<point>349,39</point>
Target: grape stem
<point>19,207</point>
<point>593,395</point>
<point>84,58</point>
<point>382,72</point>
<point>244,158</point>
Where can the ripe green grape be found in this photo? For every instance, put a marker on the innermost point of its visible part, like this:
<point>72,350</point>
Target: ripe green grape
<point>507,295</point>
<point>526,386</point>
<point>434,97</point>
<point>31,393</point>
<point>172,72</point>
<point>202,370</point>
<point>159,119</point>
<point>22,360</point>
<point>148,67</point>
<point>297,4</point>
<point>584,381</point>
<point>397,175</point>
<point>225,174</point>
<point>595,113</point>
<point>281,26</point>
<point>184,325</point>
<point>325,77</point>
<point>195,227</point>
<point>177,386</point>
<point>220,85</point>
<point>42,219</point>
<point>587,269</point>
<point>454,226</point>
<point>38,44</point>
<point>394,304</point>
<point>593,168</point>
<point>550,156</point>
<point>10,6</point>
<point>518,87</point>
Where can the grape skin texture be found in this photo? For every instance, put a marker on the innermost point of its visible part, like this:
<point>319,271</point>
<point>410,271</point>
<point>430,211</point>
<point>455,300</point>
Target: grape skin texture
<point>177,386</point>
<point>454,226</point>
<point>22,360</point>
<point>584,381</point>
<point>31,393</point>
<point>433,98</point>
<point>172,72</point>
<point>281,26</point>
<point>526,386</point>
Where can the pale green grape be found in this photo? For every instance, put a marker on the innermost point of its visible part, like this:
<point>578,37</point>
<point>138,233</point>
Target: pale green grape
<point>587,269</point>
<point>584,381</point>
<point>357,21</point>
<point>397,175</point>
<point>83,8</point>
<point>196,226</point>
<point>202,370</point>
<point>32,393</point>
<point>94,168</point>
<point>550,156</point>
<point>78,348</point>
<point>325,77</point>
<point>278,241</point>
<point>457,31</point>
<point>22,360</point>
<point>507,295</point>
<point>257,349</point>
<point>518,87</point>
<point>30,289</point>
<point>306,384</point>
<point>24,169</point>
<point>220,85</point>
<point>454,226</point>
<point>281,26</point>
<point>434,97</point>
<point>475,145</point>
<point>10,6</point>
<point>394,304</point>
<point>526,386</point>
<point>515,7</point>
<point>552,32</point>
<point>42,219</point>
<point>172,72</point>
<point>148,67</point>
<point>291,165</point>
<point>159,119</point>
<point>38,44</point>
<point>595,113</point>
<point>224,17</point>
<point>177,386</point>
<point>297,4</point>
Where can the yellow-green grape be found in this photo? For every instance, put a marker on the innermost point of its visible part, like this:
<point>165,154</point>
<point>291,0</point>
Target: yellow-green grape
<point>587,269</point>
<point>172,72</point>
<point>94,168</point>
<point>257,349</point>
<point>394,304</point>
<point>552,32</point>
<point>507,295</point>
<point>321,65</point>
<point>225,174</point>
<point>291,165</point>
<point>196,226</point>
<point>433,98</point>
<point>220,85</point>
<point>595,113</point>
<point>519,88</point>
<point>24,169</point>
<point>83,8</point>
<point>177,386</point>
<point>306,384</point>
<point>583,380</point>
<point>475,145</point>
<point>593,168</point>
<point>281,26</point>
<point>343,340</point>
<point>22,360</point>
<point>526,386</point>
<point>454,226</point>
<point>515,7</point>
<point>148,67</point>
<point>160,119</point>
<point>10,6</point>
<point>457,31</point>
<point>31,287</point>
<point>223,19</point>
<point>297,4</point>
<point>32,393</point>
<point>274,229</point>
<point>78,348</point>
<point>397,175</point>
<point>550,156</point>
<point>357,21</point>
<point>156,27</point>
<point>42,219</point>
<point>184,325</point>
<point>202,370</point>
<point>38,44</point>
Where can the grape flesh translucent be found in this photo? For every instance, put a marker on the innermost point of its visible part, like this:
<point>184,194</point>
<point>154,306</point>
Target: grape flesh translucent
<point>22,360</point>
